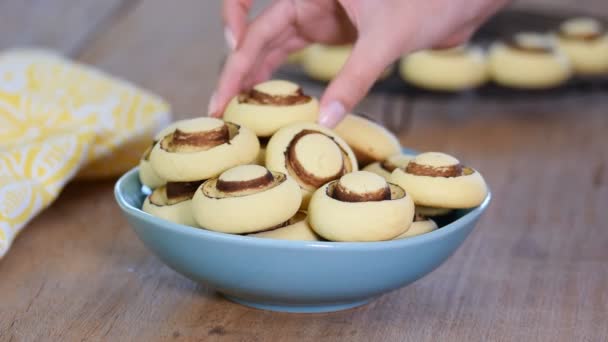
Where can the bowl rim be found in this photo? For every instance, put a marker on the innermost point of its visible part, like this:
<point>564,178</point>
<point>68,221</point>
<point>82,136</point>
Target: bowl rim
<point>152,221</point>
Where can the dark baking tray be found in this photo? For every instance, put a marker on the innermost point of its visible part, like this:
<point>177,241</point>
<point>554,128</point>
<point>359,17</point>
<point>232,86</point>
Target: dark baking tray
<point>502,25</point>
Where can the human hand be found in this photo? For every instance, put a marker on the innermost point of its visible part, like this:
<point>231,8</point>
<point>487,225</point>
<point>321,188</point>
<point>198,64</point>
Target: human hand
<point>382,31</point>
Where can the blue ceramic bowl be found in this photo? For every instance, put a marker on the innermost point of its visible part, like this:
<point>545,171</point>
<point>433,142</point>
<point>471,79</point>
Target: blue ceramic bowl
<point>294,276</point>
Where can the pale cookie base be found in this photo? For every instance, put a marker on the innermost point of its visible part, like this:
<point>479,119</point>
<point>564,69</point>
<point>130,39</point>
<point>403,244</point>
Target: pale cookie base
<point>512,68</point>
<point>418,228</point>
<point>323,63</point>
<point>359,221</point>
<point>432,212</point>
<point>299,231</point>
<point>587,57</point>
<point>370,141</point>
<point>192,166</point>
<point>180,213</point>
<point>265,120</point>
<point>149,177</point>
<point>443,192</point>
<point>249,213</point>
<point>444,71</point>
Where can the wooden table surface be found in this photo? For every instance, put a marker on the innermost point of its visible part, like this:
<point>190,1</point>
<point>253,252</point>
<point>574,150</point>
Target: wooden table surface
<point>535,269</point>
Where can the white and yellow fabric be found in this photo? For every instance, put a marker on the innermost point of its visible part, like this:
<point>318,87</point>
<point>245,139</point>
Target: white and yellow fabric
<point>60,120</point>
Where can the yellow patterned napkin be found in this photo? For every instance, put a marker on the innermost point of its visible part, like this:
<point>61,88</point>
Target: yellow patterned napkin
<point>60,120</point>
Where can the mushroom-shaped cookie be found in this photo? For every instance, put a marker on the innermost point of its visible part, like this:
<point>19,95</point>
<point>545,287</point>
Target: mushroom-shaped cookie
<point>435,179</point>
<point>324,62</point>
<point>459,68</point>
<point>360,206</point>
<point>202,148</point>
<point>270,106</point>
<point>386,167</point>
<point>173,202</point>
<point>310,154</point>
<point>246,199</point>
<point>370,141</point>
<point>585,42</point>
<point>421,225</point>
<point>297,228</point>
<point>528,61</point>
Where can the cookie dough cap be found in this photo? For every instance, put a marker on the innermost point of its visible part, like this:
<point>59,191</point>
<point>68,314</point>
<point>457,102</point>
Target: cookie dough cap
<point>436,179</point>
<point>421,225</point>
<point>177,209</point>
<point>459,68</point>
<point>386,167</point>
<point>202,148</point>
<point>271,105</point>
<point>585,42</point>
<point>360,206</point>
<point>297,229</point>
<point>246,199</point>
<point>370,142</point>
<point>528,61</point>
<point>312,155</point>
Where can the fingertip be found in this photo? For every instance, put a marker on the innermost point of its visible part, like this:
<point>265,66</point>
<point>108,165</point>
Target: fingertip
<point>212,109</point>
<point>331,114</point>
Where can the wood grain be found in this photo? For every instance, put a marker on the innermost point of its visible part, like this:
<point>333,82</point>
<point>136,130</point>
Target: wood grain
<point>536,269</point>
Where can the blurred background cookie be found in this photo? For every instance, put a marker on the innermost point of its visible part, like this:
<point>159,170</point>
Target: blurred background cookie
<point>585,42</point>
<point>324,62</point>
<point>528,61</point>
<point>455,69</point>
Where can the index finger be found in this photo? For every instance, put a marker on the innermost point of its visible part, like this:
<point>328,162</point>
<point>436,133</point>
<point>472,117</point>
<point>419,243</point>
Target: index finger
<point>235,20</point>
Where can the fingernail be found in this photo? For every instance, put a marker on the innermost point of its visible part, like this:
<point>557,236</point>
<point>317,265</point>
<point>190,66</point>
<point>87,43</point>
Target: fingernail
<point>230,40</point>
<point>331,114</point>
<point>212,108</point>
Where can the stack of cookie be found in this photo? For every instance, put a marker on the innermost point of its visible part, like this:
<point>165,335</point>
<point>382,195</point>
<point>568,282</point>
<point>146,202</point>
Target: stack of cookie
<point>209,173</point>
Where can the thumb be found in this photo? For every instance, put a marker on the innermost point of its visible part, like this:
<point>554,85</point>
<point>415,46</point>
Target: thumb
<point>365,64</point>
